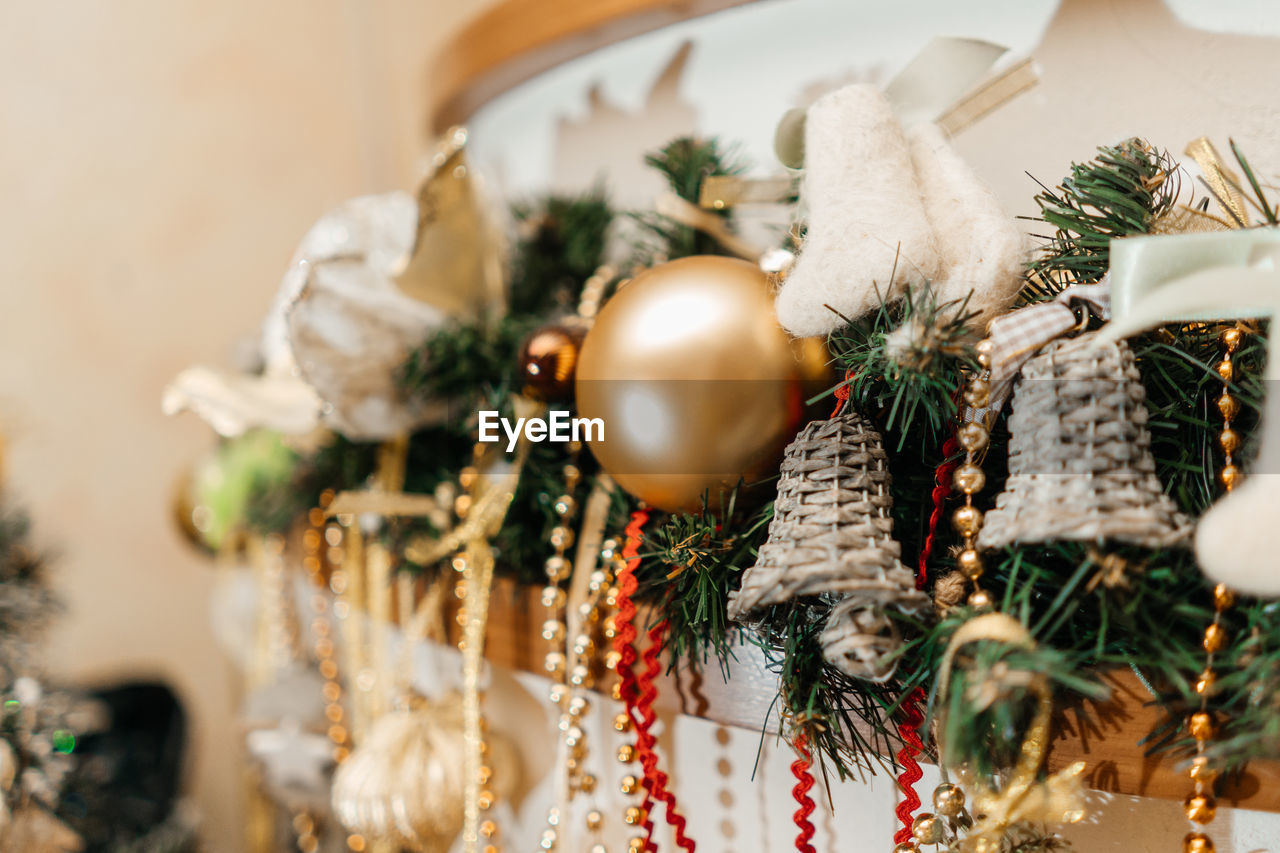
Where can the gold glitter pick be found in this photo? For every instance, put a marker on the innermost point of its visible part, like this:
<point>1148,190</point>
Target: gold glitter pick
<point>492,497</point>
<point>1221,180</point>
<point>1058,799</point>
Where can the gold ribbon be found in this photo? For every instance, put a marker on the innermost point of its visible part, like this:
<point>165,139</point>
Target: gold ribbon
<point>1222,181</point>
<point>1022,799</point>
<point>493,493</point>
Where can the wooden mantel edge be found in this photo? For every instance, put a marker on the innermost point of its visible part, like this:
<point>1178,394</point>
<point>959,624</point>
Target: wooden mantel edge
<point>518,39</point>
<point>1105,736</point>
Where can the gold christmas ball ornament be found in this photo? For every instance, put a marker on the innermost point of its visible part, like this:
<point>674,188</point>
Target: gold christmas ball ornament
<point>905,847</point>
<point>549,359</point>
<point>927,829</point>
<point>695,382</point>
<point>948,800</point>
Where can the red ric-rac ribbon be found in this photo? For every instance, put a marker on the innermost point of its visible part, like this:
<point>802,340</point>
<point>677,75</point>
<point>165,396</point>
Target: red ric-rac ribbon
<point>909,727</point>
<point>638,694</point>
<point>804,784</point>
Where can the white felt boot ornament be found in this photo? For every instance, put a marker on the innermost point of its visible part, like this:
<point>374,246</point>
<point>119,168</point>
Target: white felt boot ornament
<point>879,196</point>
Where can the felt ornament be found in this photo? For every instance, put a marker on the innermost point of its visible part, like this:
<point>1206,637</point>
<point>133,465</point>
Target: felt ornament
<point>888,209</point>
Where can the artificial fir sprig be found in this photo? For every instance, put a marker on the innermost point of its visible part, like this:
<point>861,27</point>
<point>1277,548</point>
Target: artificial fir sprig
<point>1120,192</point>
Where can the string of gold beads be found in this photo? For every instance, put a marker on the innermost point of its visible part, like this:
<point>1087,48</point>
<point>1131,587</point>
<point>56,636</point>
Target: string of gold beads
<point>558,569</point>
<point>486,828</point>
<point>322,545</point>
<point>973,437</point>
<point>630,784</point>
<point>1200,805</point>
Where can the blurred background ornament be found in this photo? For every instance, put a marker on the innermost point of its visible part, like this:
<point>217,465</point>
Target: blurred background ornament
<point>405,783</point>
<point>549,361</point>
<point>697,384</point>
<point>368,282</point>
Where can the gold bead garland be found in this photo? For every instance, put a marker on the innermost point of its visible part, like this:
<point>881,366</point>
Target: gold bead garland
<point>1200,806</point>
<point>321,544</point>
<point>973,436</point>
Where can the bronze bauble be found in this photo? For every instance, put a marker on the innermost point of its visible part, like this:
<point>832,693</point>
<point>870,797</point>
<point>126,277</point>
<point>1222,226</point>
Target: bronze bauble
<point>548,360</point>
<point>695,381</point>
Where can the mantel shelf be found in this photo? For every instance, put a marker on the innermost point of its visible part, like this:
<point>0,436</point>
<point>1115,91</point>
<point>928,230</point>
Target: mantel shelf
<point>1105,736</point>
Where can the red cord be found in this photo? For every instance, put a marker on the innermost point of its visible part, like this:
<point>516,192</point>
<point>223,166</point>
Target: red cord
<point>655,781</point>
<point>804,783</point>
<point>842,392</point>
<point>624,644</point>
<point>909,728</point>
<point>941,491</point>
<point>909,731</point>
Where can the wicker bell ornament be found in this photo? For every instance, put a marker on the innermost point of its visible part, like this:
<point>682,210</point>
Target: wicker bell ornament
<point>1080,463</point>
<point>832,535</point>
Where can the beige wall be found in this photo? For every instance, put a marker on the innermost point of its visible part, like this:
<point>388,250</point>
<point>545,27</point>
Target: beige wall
<point>158,162</point>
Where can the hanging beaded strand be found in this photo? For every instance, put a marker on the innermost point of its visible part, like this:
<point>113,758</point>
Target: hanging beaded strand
<point>555,631</point>
<point>968,479</point>
<point>1200,805</point>
<point>973,436</point>
<point>322,544</point>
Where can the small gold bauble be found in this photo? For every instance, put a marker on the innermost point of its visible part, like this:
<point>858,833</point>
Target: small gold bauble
<point>1197,842</point>
<point>969,479</point>
<point>1223,597</point>
<point>978,393</point>
<point>594,820</point>
<point>1200,725</point>
<point>1231,339</point>
<point>967,520</point>
<point>1228,407</point>
<point>565,506</point>
<point>1201,808</point>
<point>557,568</point>
<point>905,847</point>
<point>561,537</point>
<point>982,352</point>
<point>948,799</point>
<point>1229,441</point>
<point>970,563</point>
<point>1225,370</point>
<point>1215,638</point>
<point>633,816</point>
<point>626,753</point>
<point>488,829</point>
<point>927,829</point>
<point>635,845</point>
<point>1204,684</point>
<point>629,784</point>
<point>1201,772</point>
<point>548,360</point>
<point>587,783</point>
<point>980,599</point>
<point>622,722</point>
<point>973,436</point>
<point>1230,477</point>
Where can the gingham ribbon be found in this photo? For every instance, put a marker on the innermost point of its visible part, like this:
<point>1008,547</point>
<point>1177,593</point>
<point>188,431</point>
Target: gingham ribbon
<point>1020,334</point>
